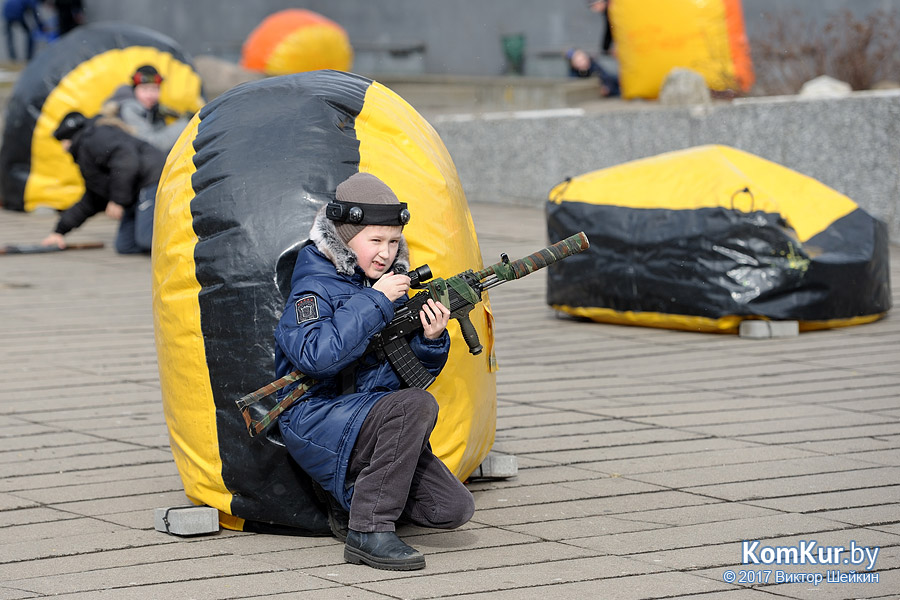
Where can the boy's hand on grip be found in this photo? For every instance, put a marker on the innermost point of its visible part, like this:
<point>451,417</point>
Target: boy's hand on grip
<point>435,317</point>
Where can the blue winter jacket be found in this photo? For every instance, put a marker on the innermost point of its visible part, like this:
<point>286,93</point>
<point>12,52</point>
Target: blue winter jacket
<point>327,324</point>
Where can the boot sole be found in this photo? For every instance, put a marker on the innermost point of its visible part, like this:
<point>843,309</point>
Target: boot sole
<point>356,557</point>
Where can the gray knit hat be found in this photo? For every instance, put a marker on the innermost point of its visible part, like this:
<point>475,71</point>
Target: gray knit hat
<point>362,189</point>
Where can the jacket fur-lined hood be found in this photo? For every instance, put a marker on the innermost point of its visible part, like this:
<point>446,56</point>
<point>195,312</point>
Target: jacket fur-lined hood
<point>324,235</point>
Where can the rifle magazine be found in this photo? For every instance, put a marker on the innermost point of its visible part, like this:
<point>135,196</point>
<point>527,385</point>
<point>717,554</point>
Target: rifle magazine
<point>407,364</point>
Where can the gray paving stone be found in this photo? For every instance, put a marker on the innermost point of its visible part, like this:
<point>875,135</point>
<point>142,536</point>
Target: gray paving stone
<point>882,430</point>
<point>710,475</point>
<point>129,458</point>
<point>511,577</point>
<point>799,485</point>
<point>674,462</point>
<point>566,529</point>
<point>745,416</point>
<point>833,500</point>
<point>849,446</point>
<point>839,423</point>
<point>11,594</point>
<point>876,514</point>
<point>715,532</point>
<point>114,577</point>
<point>98,448</point>
<point>529,474</point>
<point>452,565</point>
<point>584,426</point>
<point>222,587</point>
<point>28,516</point>
<point>644,587</point>
<point>662,448</point>
<point>880,457</point>
<point>695,515</point>
<point>10,502</point>
<point>561,492</point>
<point>500,517</point>
<point>647,435</point>
<point>89,476</point>
<point>111,489</point>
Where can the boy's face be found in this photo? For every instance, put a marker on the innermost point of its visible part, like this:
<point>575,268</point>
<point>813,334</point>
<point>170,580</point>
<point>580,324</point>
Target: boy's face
<point>147,94</point>
<point>376,248</point>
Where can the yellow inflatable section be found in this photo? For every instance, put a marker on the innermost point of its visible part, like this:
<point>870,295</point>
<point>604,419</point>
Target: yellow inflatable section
<point>234,206</point>
<point>55,180</point>
<point>654,36</point>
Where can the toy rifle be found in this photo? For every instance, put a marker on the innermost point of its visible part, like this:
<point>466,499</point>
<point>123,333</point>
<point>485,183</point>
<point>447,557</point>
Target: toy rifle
<point>459,294</point>
<point>39,249</point>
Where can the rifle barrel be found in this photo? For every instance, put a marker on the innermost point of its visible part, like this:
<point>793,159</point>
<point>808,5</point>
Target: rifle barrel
<point>545,256</point>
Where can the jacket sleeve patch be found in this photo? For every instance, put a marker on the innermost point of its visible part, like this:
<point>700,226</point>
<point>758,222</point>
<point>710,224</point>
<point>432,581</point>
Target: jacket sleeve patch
<point>307,309</point>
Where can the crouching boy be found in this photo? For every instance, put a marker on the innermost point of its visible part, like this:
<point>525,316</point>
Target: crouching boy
<point>359,433</point>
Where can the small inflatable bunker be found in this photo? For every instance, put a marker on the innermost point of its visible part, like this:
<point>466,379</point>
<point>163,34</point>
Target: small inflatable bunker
<point>654,36</point>
<point>79,72</point>
<point>235,203</point>
<point>703,238</point>
<point>296,40</point>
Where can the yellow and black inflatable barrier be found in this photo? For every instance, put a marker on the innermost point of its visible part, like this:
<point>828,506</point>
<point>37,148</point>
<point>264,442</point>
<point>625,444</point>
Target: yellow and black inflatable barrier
<point>235,203</point>
<point>703,238</point>
<point>79,72</point>
<point>654,36</point>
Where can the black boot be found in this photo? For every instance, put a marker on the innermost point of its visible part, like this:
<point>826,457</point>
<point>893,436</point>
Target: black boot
<point>382,550</point>
<point>338,518</point>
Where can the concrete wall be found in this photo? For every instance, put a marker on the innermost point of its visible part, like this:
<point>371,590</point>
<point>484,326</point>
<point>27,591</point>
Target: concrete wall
<point>461,37</point>
<point>850,144</point>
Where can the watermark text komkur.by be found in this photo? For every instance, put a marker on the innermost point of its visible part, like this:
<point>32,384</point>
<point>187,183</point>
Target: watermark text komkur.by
<point>807,552</point>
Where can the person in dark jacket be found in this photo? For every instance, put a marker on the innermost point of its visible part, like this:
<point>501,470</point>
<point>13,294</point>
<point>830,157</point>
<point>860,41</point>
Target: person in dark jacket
<point>359,433</point>
<point>582,64</point>
<point>120,175</point>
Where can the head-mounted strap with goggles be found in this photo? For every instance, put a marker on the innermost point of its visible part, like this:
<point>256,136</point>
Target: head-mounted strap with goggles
<point>141,78</point>
<point>368,214</point>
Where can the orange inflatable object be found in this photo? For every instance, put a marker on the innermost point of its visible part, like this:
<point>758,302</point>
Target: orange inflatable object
<point>654,36</point>
<point>294,41</point>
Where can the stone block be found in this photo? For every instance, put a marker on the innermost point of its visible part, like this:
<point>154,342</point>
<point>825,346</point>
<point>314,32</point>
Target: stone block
<point>759,330</point>
<point>187,520</point>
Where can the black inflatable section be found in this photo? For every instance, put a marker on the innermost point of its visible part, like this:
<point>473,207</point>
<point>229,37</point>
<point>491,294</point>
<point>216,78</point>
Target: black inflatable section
<point>716,262</point>
<point>270,182</point>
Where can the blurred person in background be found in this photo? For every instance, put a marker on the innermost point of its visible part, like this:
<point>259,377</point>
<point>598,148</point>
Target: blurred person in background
<point>583,65</point>
<point>70,14</point>
<point>121,173</point>
<point>19,13</point>
<point>137,104</point>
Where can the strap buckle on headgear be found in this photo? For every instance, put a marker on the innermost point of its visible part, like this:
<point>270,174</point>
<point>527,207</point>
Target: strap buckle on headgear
<point>357,213</point>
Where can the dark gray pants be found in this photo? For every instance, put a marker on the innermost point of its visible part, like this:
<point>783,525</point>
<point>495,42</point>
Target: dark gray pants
<point>397,476</point>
